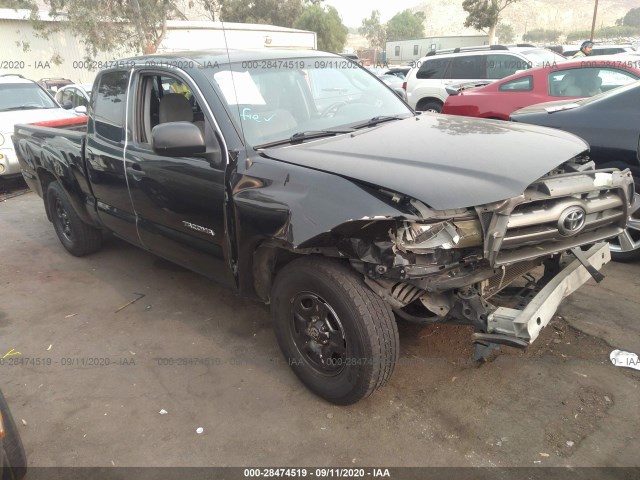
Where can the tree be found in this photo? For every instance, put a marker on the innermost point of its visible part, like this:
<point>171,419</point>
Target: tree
<point>138,25</point>
<point>374,31</point>
<point>484,15</point>
<point>606,33</point>
<point>541,35</point>
<point>210,8</point>
<point>632,18</point>
<point>274,12</point>
<point>405,26</point>
<point>326,22</point>
<point>15,4</point>
<point>505,33</point>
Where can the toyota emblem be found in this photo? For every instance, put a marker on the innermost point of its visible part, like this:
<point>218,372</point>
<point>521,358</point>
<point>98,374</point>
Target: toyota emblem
<point>571,221</point>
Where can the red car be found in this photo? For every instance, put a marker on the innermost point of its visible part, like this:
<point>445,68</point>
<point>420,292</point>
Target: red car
<point>578,78</point>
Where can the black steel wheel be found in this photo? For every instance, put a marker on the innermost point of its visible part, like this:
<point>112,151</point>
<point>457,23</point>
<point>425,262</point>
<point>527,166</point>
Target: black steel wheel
<point>317,333</point>
<point>337,335</point>
<point>76,236</point>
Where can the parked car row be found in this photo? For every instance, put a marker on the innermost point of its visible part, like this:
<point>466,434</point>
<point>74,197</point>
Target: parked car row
<point>427,83</point>
<point>571,79</point>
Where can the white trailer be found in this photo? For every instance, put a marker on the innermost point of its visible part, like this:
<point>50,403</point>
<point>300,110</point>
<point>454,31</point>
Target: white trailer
<point>403,51</point>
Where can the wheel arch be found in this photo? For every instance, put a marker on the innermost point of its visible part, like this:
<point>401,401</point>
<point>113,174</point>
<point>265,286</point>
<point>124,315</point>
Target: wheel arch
<point>270,257</point>
<point>426,100</point>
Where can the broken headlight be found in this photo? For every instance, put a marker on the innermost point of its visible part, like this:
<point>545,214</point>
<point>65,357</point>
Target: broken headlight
<point>425,237</point>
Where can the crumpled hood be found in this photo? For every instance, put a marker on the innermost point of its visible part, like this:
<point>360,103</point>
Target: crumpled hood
<point>444,161</point>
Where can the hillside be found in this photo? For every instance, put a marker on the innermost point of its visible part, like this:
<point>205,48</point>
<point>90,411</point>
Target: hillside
<point>446,17</point>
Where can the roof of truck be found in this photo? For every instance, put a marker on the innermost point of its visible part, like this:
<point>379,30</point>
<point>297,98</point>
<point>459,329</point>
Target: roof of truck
<point>220,56</point>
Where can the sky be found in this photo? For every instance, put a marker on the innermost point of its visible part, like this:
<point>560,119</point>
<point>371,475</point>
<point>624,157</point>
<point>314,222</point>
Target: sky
<point>353,11</point>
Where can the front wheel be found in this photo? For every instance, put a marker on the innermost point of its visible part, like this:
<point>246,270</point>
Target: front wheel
<point>339,337</point>
<point>76,236</point>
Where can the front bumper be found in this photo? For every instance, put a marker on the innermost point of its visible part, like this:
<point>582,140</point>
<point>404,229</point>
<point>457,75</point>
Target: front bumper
<point>8,162</point>
<point>526,324</point>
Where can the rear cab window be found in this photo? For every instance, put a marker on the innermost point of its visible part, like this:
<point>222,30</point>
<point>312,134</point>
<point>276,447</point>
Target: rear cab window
<point>109,105</point>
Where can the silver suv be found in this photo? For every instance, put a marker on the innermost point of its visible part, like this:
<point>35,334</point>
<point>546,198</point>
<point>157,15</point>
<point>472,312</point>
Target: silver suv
<point>427,81</point>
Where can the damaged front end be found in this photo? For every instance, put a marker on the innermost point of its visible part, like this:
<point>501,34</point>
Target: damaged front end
<point>500,267</point>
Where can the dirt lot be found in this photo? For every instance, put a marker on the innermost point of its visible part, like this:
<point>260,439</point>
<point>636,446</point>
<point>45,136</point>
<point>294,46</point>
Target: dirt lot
<point>211,360</point>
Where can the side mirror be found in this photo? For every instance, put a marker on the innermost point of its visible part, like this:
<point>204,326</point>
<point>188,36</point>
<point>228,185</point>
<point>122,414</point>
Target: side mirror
<point>80,110</point>
<point>177,139</point>
<point>67,105</point>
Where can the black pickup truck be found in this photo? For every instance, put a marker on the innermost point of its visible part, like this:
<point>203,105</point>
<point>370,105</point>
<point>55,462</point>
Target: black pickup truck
<point>301,180</point>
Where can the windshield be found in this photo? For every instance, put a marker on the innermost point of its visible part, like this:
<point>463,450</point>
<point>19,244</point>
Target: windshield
<point>24,96</point>
<point>301,95</point>
<point>541,57</point>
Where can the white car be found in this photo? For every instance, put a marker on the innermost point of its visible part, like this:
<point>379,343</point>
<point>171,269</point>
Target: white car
<point>22,101</point>
<point>75,97</point>
<point>426,83</point>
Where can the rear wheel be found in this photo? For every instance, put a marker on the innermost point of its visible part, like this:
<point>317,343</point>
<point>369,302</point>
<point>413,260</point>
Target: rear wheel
<point>433,106</point>
<point>339,337</point>
<point>76,236</point>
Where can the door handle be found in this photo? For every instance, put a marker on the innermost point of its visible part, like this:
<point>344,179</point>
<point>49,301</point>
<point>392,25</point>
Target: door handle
<point>135,171</point>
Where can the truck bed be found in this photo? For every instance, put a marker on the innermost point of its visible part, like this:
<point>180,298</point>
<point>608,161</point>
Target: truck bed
<point>55,145</point>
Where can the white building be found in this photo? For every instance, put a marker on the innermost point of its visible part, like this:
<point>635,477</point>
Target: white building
<point>407,50</point>
<point>63,55</point>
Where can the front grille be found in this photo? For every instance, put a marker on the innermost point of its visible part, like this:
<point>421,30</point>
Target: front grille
<point>557,214</point>
<point>536,222</point>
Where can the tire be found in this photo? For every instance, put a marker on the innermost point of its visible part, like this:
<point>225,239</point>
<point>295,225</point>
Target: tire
<point>13,463</point>
<point>76,236</point>
<point>357,327</point>
<point>435,107</point>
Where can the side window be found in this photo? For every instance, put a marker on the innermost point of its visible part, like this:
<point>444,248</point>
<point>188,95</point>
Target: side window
<point>82,101</point>
<point>66,96</point>
<point>415,49</point>
<point>434,68</point>
<point>165,99</point>
<point>467,67</point>
<point>75,97</point>
<point>397,51</point>
<point>563,83</point>
<point>523,84</point>
<point>500,66</point>
<point>109,105</point>
<point>613,78</point>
